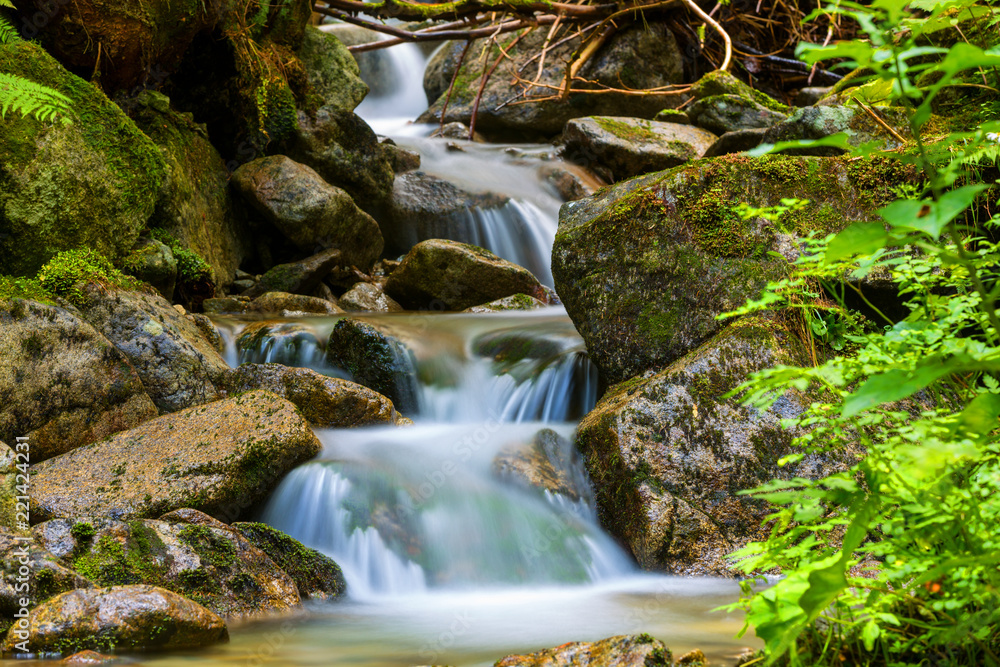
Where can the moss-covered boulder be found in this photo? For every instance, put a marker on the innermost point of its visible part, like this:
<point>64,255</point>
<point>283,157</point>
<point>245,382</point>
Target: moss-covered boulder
<point>326,402</point>
<point>625,61</point>
<point>508,303</point>
<point>368,297</point>
<point>720,82</point>
<point>92,182</point>
<point>447,275</point>
<point>196,207</point>
<point>627,147</point>
<point>317,576</point>
<point>220,458</point>
<point>669,455</point>
<point>124,618</point>
<point>729,113</point>
<point>376,356</point>
<point>207,562</point>
<point>62,384</point>
<point>645,266</point>
<point>153,262</point>
<point>621,651</point>
<point>333,72</point>
<point>309,212</point>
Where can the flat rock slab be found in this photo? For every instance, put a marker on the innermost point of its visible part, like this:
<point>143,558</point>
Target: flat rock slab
<point>219,458</point>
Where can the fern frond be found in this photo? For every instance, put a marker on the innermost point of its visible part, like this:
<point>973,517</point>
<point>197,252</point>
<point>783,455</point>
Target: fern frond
<point>7,3</point>
<point>28,98</point>
<point>8,33</point>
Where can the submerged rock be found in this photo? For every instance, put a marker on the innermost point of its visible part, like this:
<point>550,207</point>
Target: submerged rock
<point>219,458</point>
<point>62,384</point>
<point>125,618</point>
<point>447,275</point>
<point>316,576</point>
<point>545,464</point>
<point>326,402</point>
<point>308,211</point>
<point>376,358</point>
<point>645,266</point>
<point>93,182</point>
<point>630,146</point>
<point>289,343</point>
<point>621,651</point>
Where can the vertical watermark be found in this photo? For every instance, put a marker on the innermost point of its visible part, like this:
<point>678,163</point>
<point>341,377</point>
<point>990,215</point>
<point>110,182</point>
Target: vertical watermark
<point>22,521</point>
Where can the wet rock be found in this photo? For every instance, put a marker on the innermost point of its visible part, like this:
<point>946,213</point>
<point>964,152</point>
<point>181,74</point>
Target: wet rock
<point>672,116</point>
<point>546,464</point>
<point>300,277</point>
<point>823,121</point>
<point>368,297</point>
<point>152,262</point>
<point>668,455</point>
<point>447,275</point>
<point>572,182</point>
<point>644,267</point>
<point>333,71</point>
<point>212,564</point>
<point>736,142</point>
<point>90,183</point>
<point>126,618</point>
<point>508,303</point>
<point>326,402</point>
<point>377,358</point>
<point>89,658</point>
<point>316,576</point>
<point>8,490</point>
<point>402,160</point>
<point>721,82</point>
<point>622,62</point>
<point>308,211</point>
<point>196,206</point>
<point>345,151</point>
<point>620,651</point>
<point>631,146</point>
<point>695,658</point>
<point>287,305</point>
<point>729,113</point>
<point>172,357</point>
<point>806,97</point>
<point>219,458</point>
<point>226,305</point>
<point>46,575</point>
<point>289,343</point>
<point>62,384</point>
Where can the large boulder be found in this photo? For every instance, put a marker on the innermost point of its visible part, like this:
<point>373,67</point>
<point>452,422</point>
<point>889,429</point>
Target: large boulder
<point>628,147</point>
<point>197,206</point>
<point>645,266</point>
<point>219,458</point>
<point>206,561</point>
<point>333,72</point>
<point>62,384</point>
<point>377,357</point>
<point>669,455</point>
<point>623,62</point>
<point>316,576</point>
<point>324,401</point>
<point>126,618</point>
<point>730,113</point>
<point>92,182</point>
<point>175,361</point>
<point>621,651</point>
<point>308,211</point>
<point>447,275</point>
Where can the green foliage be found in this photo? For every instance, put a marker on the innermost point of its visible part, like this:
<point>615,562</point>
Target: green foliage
<point>191,268</point>
<point>22,96</point>
<point>67,273</point>
<point>895,560</point>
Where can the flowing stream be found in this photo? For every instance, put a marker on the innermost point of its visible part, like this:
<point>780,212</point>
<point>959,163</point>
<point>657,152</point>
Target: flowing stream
<point>471,534</point>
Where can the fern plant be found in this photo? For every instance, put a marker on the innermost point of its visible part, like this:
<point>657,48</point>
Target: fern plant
<point>21,95</point>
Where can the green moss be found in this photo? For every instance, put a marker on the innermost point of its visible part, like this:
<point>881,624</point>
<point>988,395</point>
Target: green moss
<point>83,532</point>
<point>67,273</point>
<point>23,288</point>
<point>639,132</point>
<point>210,547</point>
<point>191,267</point>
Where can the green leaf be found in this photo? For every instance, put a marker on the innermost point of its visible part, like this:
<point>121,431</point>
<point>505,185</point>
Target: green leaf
<point>861,238</point>
<point>869,634</point>
<point>891,386</point>
<point>980,416</point>
<point>839,140</point>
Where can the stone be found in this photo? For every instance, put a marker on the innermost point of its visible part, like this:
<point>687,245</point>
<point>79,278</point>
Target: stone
<point>645,266</point>
<point>508,303</point>
<point>571,181</point>
<point>308,211</point>
<point>196,206</point>
<point>669,454</point>
<point>209,563</point>
<point>402,160</point>
<point>152,262</point>
<point>738,141</point>
<point>628,147</point>
<point>333,72</point>
<point>544,464</point>
<point>171,355</point>
<point>89,658</point>
<point>368,297</point>
<point>300,277</point>
<point>672,116</point>
<point>720,82</point>
<point>286,305</point>
<point>806,97</point>
<point>226,305</point>
<point>126,618</point>
<point>822,121</point>
<point>345,151</point>
<point>729,113</point>
<point>325,402</point>
<point>316,576</point>
<point>63,384</point>
<point>93,182</point>
<point>446,275</point>
<point>620,651</point>
<point>623,62</point>
<point>377,357</point>
<point>47,577</point>
<point>219,458</point>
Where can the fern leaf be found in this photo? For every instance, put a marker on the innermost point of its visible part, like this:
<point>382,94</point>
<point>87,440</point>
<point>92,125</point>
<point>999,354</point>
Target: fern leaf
<point>20,95</point>
<point>8,33</point>
<point>7,3</point>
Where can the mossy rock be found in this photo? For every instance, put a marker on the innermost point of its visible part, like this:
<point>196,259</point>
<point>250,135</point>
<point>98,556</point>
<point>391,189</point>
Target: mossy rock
<point>645,266</point>
<point>720,82</point>
<point>333,72</point>
<point>317,576</point>
<point>507,304</point>
<point>153,262</point>
<point>822,121</point>
<point>669,455</point>
<point>377,357</point>
<point>93,182</point>
<point>730,113</point>
<point>620,651</point>
<point>221,459</point>
<point>46,575</point>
